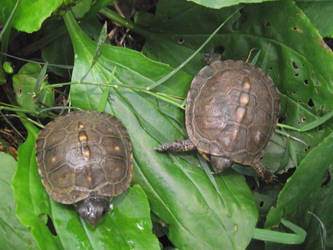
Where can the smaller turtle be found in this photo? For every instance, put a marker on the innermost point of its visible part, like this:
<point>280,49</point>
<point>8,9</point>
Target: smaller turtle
<point>231,113</point>
<point>85,158</point>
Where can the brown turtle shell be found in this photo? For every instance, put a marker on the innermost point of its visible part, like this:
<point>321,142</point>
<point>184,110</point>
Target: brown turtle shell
<point>82,154</point>
<point>232,111</point>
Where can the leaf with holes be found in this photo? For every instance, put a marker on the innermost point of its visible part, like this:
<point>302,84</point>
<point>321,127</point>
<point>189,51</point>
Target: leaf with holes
<point>303,77</point>
<point>320,14</point>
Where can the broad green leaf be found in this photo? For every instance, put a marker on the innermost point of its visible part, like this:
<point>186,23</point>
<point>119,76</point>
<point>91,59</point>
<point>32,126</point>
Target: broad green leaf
<point>180,193</point>
<point>307,178</point>
<point>124,227</point>
<point>25,84</point>
<point>13,235</point>
<point>320,14</point>
<point>29,15</point>
<point>218,4</point>
<point>32,204</point>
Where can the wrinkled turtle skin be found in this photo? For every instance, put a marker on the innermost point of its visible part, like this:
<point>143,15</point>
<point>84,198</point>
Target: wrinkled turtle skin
<point>85,158</point>
<point>231,113</point>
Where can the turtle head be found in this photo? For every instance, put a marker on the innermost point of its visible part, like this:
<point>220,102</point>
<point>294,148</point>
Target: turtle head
<point>93,209</point>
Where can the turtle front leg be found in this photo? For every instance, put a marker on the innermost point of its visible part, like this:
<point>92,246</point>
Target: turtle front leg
<point>219,164</point>
<point>264,172</point>
<point>176,146</point>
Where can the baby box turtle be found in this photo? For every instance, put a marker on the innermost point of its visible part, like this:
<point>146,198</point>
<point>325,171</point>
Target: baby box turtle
<point>231,113</point>
<point>85,158</point>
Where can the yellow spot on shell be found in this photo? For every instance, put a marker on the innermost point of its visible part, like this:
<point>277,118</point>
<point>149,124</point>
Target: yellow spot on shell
<point>110,130</point>
<point>80,125</point>
<point>86,153</point>
<point>83,137</point>
<point>53,159</point>
<point>117,148</point>
<point>89,179</point>
<point>246,85</point>
<point>240,112</point>
<point>244,99</point>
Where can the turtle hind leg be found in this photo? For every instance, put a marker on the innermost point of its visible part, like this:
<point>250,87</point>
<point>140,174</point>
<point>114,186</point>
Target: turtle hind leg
<point>219,164</point>
<point>176,146</point>
<point>264,172</point>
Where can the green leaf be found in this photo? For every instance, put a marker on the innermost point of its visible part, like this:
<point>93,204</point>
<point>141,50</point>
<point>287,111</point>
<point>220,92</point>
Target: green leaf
<point>307,177</point>
<point>180,193</point>
<point>218,4</point>
<point>320,14</point>
<point>8,67</point>
<point>13,235</point>
<point>125,225</point>
<point>29,194</point>
<point>25,84</point>
<point>24,19</point>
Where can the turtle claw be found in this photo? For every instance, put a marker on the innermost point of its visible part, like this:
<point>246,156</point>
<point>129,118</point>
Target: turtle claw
<point>271,179</point>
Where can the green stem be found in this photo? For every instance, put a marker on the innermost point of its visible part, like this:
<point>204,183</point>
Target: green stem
<point>124,22</point>
<point>18,110</point>
<point>161,96</point>
<point>285,238</point>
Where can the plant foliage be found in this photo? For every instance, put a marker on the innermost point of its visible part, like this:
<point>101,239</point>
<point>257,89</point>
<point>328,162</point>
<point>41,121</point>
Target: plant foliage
<point>173,196</point>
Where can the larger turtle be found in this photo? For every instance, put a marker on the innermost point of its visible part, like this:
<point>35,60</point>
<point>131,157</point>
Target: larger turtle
<point>231,113</point>
<point>85,158</point>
